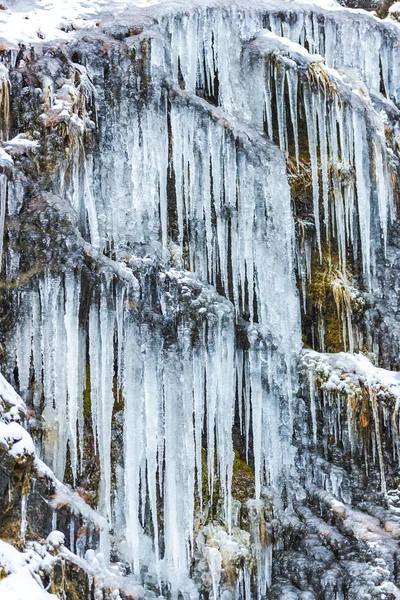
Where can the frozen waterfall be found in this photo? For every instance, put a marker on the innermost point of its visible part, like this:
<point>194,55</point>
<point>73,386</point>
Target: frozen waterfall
<point>173,327</point>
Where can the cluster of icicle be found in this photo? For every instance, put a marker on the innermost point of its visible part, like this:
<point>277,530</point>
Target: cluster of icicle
<point>4,120</point>
<point>325,63</point>
<point>162,388</point>
<point>358,404</point>
<point>282,73</point>
<point>235,231</point>
<point>308,76</point>
<point>172,392</point>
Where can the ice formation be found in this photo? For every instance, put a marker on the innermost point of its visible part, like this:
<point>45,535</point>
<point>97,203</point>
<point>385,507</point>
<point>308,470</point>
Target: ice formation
<point>179,313</point>
<point>24,572</point>
<point>352,385</point>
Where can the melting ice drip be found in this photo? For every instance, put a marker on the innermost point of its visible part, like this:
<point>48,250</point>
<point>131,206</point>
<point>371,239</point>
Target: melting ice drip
<point>229,221</point>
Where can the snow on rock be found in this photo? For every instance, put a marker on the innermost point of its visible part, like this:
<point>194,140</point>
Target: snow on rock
<point>25,569</point>
<point>370,396</point>
<point>344,372</point>
<point>55,539</point>
<point>65,496</point>
<point>16,440</point>
<point>394,11</point>
<point>20,143</point>
<point>13,437</point>
<point>20,586</point>
<point>11,404</point>
<point>271,44</point>
<point>5,159</point>
<point>366,528</point>
<point>11,559</point>
<point>22,569</point>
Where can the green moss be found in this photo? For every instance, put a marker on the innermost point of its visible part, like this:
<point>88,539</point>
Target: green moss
<point>11,528</point>
<point>118,398</point>
<point>69,582</point>
<point>87,400</point>
<point>329,297</point>
<point>243,489</point>
<point>243,480</point>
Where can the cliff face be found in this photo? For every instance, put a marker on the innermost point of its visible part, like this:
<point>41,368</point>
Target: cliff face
<point>199,302</point>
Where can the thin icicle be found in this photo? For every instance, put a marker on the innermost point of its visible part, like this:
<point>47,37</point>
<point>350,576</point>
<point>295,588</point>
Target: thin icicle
<point>312,144</point>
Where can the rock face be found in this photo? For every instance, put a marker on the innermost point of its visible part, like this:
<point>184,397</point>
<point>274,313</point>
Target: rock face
<point>189,196</point>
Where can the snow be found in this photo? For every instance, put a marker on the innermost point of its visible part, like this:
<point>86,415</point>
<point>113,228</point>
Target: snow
<point>20,586</point>
<point>5,159</point>
<point>25,569</point>
<point>34,20</point>
<point>16,440</point>
<point>55,539</point>
<point>20,142</point>
<point>22,568</point>
<point>13,437</point>
<point>345,377</point>
<point>11,559</point>
<point>342,371</point>
<point>270,43</point>
<point>395,9</point>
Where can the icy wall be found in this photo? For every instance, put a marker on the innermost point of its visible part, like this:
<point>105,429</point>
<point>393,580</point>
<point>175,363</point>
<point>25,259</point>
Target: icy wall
<point>153,176</point>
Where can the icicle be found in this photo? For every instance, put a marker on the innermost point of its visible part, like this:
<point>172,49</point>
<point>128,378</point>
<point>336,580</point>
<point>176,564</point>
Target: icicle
<point>90,206</point>
<point>211,409</point>
<point>152,395</point>
<point>214,561</point>
<point>312,143</point>
<point>262,547</point>
<point>363,192</point>
<point>36,350</point>
<point>72,534</point>
<point>268,98</point>
<point>279,76</point>
<point>377,427</point>
<point>198,409</point>
<point>292,80</point>
<point>311,376</point>
<point>75,388</point>
<point>239,386</point>
<point>24,522</point>
<point>322,117</point>
<point>179,169</point>
<point>3,204</point>
<point>256,411</point>
<point>23,343</point>
<point>225,412</point>
<point>106,396</point>
<point>383,194</point>
<point>133,438</point>
<point>179,471</point>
